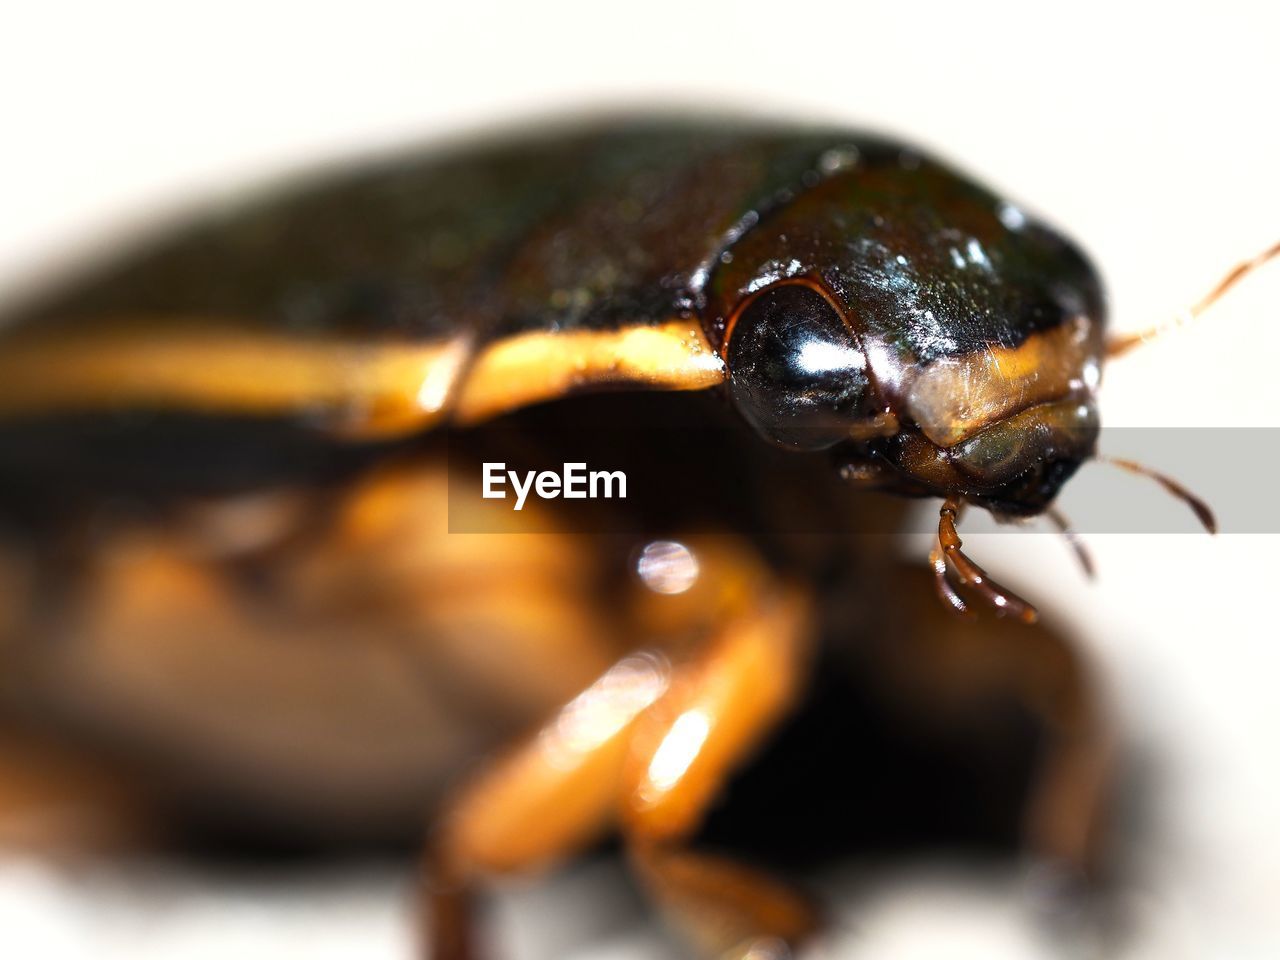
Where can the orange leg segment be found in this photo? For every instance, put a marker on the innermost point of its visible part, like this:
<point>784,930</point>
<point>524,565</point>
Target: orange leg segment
<point>647,747</point>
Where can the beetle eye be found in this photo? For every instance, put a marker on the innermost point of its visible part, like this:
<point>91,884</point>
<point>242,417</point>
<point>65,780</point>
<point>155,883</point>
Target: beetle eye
<point>795,371</point>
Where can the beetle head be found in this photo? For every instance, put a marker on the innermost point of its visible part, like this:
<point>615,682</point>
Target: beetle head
<point>937,339</point>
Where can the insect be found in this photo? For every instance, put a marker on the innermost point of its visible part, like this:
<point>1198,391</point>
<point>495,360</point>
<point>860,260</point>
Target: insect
<point>232,459</point>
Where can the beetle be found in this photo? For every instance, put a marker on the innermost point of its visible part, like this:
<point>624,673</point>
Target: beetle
<point>232,459</point>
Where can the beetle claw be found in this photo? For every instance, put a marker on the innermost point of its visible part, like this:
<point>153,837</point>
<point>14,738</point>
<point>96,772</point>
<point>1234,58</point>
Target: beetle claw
<point>1005,601</point>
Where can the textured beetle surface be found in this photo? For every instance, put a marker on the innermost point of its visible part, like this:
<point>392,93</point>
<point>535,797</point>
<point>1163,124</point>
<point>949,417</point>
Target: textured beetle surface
<point>230,461</point>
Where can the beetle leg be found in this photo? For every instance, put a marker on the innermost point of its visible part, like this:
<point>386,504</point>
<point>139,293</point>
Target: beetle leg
<point>556,792</point>
<point>719,708</point>
<point>548,798</point>
<point>560,790</point>
<point>972,575</point>
<point>949,663</point>
<point>449,899</point>
<point>728,910</point>
<point>55,798</point>
<point>942,583</point>
<point>58,801</point>
<point>1065,822</point>
<point>564,778</point>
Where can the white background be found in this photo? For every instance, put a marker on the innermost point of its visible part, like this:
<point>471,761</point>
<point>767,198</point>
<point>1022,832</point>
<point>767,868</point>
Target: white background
<point>1148,134</point>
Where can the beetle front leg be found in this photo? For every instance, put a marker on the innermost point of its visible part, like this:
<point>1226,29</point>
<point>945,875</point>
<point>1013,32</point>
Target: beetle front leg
<point>718,710</point>
<point>725,908</point>
<point>550,797</point>
<point>732,655</point>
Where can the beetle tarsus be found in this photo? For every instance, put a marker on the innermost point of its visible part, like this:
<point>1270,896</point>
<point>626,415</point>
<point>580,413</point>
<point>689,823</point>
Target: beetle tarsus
<point>1005,601</point>
<point>942,584</point>
<point>447,898</point>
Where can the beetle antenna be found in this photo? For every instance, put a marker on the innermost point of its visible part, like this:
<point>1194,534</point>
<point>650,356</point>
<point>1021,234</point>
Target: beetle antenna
<point>1074,540</point>
<point>969,573</point>
<point>1122,343</point>
<point>1201,509</point>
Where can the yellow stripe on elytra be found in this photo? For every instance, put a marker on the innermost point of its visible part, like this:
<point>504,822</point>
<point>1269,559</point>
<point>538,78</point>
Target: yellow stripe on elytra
<point>359,388</point>
<point>378,387</point>
<point>528,368</point>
